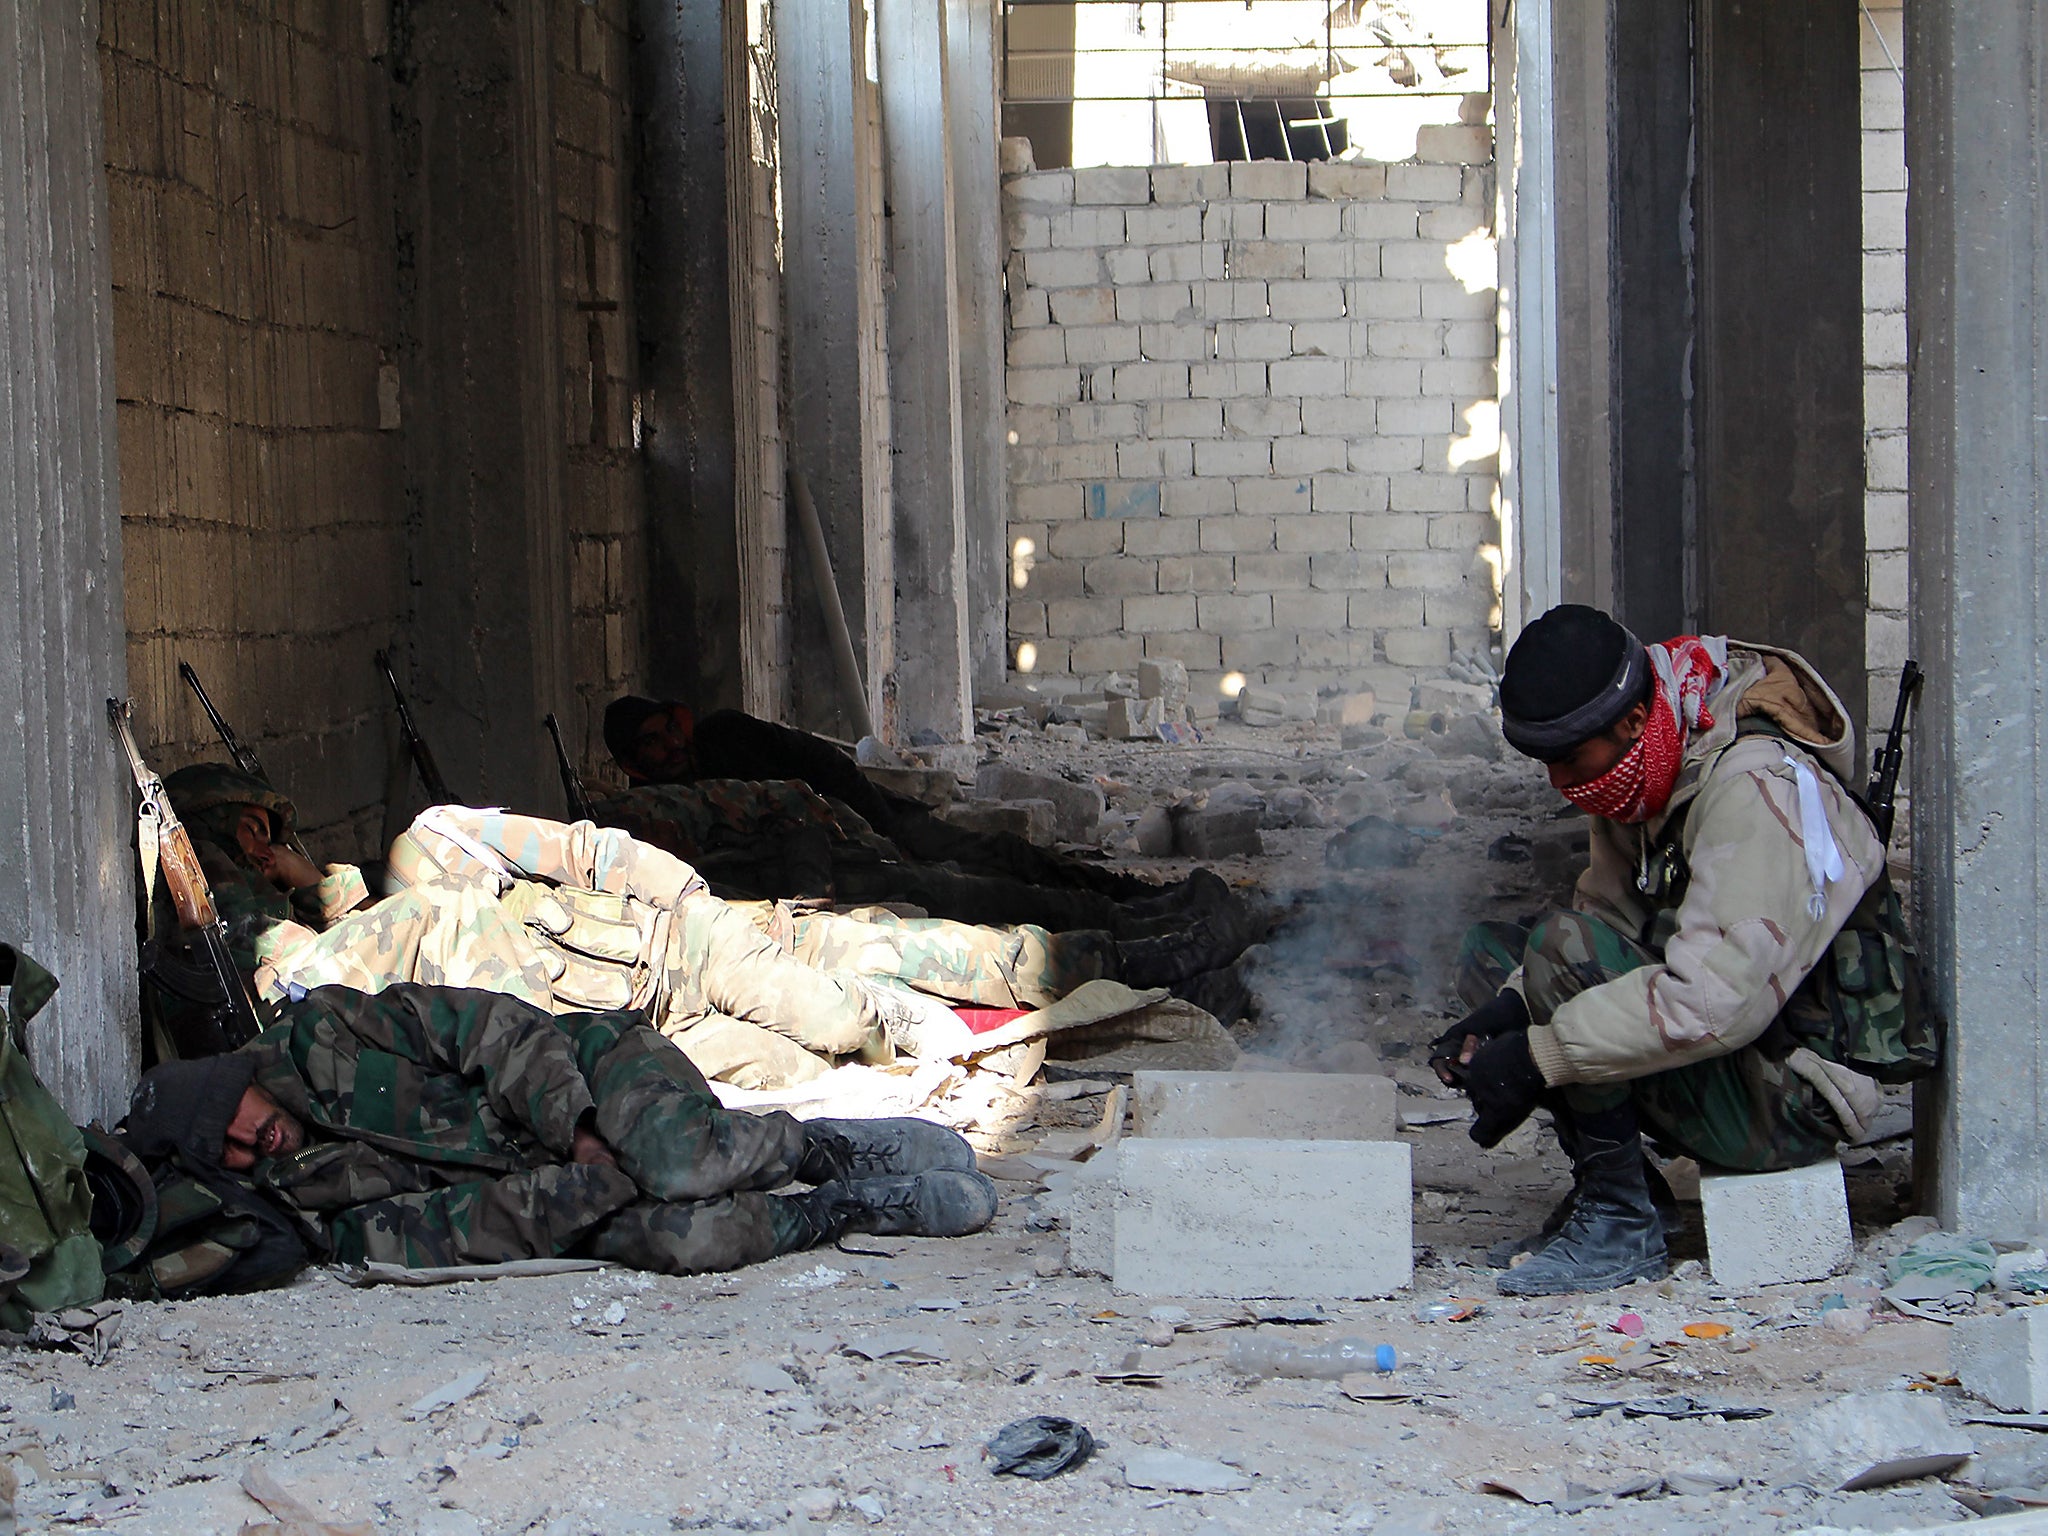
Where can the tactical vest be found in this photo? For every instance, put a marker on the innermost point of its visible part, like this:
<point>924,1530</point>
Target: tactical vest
<point>1864,1004</point>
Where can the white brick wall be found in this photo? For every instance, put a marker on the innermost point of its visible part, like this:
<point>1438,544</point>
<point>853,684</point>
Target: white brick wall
<point>1252,414</point>
<point>1884,349</point>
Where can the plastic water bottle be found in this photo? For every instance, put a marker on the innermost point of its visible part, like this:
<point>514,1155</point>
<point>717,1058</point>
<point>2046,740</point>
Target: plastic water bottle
<point>1326,1360</point>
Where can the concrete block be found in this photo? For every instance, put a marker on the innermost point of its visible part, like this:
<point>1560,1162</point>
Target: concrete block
<point>1112,184</point>
<point>1204,834</point>
<point>1135,719</point>
<point>1288,1106</point>
<point>2003,1359</point>
<point>1166,681</point>
<point>1033,820</point>
<point>1247,1217</point>
<point>1016,156</point>
<point>1348,709</point>
<point>1269,706</point>
<point>1770,1228</point>
<point>1078,808</point>
<point>1085,1197</point>
<point>1874,1438</point>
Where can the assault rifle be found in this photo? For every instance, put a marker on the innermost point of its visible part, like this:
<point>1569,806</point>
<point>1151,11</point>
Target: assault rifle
<point>572,781</point>
<point>1879,796</point>
<point>244,755</point>
<point>219,1015</point>
<point>415,743</point>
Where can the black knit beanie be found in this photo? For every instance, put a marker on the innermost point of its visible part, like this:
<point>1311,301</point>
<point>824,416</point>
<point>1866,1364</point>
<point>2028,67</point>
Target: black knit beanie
<point>1570,676</point>
<point>187,1105</point>
<point>622,720</point>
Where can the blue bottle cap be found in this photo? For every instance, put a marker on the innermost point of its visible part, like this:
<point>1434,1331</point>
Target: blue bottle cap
<point>1383,1357</point>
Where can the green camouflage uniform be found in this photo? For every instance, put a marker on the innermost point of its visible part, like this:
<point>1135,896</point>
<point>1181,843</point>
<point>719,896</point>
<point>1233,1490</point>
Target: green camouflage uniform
<point>1679,979</point>
<point>779,838</point>
<point>440,1122</point>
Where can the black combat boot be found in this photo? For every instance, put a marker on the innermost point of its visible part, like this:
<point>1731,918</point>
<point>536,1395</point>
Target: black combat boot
<point>865,1149</point>
<point>1204,945</point>
<point>1612,1234</point>
<point>944,1203</point>
<point>1507,1250</point>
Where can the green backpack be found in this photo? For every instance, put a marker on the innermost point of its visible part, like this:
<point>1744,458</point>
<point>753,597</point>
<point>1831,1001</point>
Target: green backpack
<point>49,1258</point>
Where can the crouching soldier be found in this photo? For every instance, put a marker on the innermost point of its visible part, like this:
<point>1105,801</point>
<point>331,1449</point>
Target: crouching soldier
<point>428,1126</point>
<point>1734,976</point>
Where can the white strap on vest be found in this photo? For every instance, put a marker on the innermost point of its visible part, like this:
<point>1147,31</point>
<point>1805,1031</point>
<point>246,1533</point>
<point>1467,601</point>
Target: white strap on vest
<point>1823,856</point>
<point>434,819</point>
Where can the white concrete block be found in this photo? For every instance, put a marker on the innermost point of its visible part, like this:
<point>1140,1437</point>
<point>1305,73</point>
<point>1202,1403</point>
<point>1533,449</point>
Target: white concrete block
<point>1189,183</point>
<point>1112,184</point>
<point>1421,183</point>
<point>1270,180</point>
<point>1249,1217</point>
<point>2004,1359</point>
<point>1041,189</point>
<point>1281,1106</point>
<point>1304,300</point>
<point>1769,1228</point>
<point>1163,226</point>
<point>1135,719</point>
<point>1873,1438</point>
<point>1062,269</point>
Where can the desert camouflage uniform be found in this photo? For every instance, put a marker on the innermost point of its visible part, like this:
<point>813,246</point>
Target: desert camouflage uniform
<point>440,1122</point>
<point>779,838</point>
<point>1677,980</point>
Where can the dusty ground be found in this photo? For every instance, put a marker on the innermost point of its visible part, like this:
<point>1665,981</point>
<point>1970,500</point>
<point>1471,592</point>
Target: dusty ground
<point>620,1403</point>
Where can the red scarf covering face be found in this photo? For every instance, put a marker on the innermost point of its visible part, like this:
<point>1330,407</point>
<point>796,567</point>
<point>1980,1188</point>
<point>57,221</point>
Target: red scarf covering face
<point>1639,785</point>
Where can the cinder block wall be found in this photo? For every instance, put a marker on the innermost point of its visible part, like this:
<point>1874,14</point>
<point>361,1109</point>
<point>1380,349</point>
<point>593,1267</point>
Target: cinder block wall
<point>1884,349</point>
<point>602,490</point>
<point>253,309</point>
<point>261,433</point>
<point>1253,415</point>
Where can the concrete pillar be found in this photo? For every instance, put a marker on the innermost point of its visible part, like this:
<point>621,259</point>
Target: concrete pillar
<point>836,388</point>
<point>932,692</point>
<point>1526,192</point>
<point>67,892</point>
<point>1977,316</point>
<point>972,108</point>
<point>479,304</point>
<point>681,275</point>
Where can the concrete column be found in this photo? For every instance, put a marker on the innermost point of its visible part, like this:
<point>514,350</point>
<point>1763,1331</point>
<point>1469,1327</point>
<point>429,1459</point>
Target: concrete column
<point>682,290</point>
<point>932,692</point>
<point>835,392</point>
<point>1977,315</point>
<point>479,304</point>
<point>67,890</point>
<point>972,108</point>
<point>1525,153</point>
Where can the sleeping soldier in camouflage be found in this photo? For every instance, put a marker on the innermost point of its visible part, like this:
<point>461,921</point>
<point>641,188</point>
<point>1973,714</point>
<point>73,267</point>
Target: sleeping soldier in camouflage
<point>575,917</point>
<point>1734,977</point>
<point>429,1126</point>
<point>780,839</point>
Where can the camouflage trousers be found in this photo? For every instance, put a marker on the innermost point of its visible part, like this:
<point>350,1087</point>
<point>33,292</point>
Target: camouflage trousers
<point>690,1193</point>
<point>1745,1111</point>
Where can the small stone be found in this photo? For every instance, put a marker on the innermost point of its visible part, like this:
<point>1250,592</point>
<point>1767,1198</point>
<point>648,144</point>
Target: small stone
<point>815,1503</point>
<point>615,1314</point>
<point>760,1376</point>
<point>1177,1472</point>
<point>1546,1399</point>
<point>868,1507</point>
<point>1046,1265</point>
<point>1156,1334</point>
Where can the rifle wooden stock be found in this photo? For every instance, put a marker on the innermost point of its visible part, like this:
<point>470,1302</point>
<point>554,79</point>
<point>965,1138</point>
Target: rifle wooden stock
<point>191,897</point>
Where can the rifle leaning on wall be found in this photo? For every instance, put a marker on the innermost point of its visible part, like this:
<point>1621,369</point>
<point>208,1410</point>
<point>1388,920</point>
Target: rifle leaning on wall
<point>244,756</point>
<point>1880,796</point>
<point>572,781</point>
<point>422,755</point>
<point>212,1010</point>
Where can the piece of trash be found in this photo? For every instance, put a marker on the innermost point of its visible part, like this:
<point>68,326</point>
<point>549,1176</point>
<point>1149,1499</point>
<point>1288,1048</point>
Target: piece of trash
<point>906,1348</point>
<point>1702,1477</point>
<point>466,1385</point>
<point>937,1304</point>
<point>93,1331</point>
<point>1039,1447</point>
<point>1177,1472</point>
<point>1596,1360</point>
<point>1452,1309</point>
<point>1670,1406</point>
<point>1132,1373</point>
<point>2036,1421</point>
<point>306,1436</point>
<point>1629,1323</point>
<point>1332,1360</point>
<point>815,1278</point>
<point>1706,1330</point>
<point>376,1272</point>
<point>1966,1263</point>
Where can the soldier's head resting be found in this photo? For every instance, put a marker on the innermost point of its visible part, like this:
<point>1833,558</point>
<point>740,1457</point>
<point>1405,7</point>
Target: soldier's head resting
<point>1576,694</point>
<point>649,738</point>
<point>243,816</point>
<point>211,1109</point>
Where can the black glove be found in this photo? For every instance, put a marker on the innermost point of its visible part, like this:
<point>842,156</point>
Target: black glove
<point>1504,1011</point>
<point>1504,1085</point>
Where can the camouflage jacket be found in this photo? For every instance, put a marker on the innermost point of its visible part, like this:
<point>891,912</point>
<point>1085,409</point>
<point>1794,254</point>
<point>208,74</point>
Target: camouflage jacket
<point>265,923</point>
<point>439,1122</point>
<point>1748,924</point>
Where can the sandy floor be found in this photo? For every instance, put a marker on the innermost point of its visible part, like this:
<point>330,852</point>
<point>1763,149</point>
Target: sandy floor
<point>620,1403</point>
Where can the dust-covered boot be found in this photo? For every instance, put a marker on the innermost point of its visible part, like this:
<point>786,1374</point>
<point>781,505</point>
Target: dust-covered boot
<point>1612,1234</point>
<point>944,1203</point>
<point>916,1023</point>
<point>866,1149</point>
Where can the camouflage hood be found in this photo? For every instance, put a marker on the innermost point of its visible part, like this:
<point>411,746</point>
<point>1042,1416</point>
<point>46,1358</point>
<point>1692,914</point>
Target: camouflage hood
<point>209,797</point>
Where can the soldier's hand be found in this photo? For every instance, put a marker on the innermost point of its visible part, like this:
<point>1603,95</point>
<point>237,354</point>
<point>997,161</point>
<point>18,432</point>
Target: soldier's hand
<point>1505,1086</point>
<point>589,1147</point>
<point>1451,1052</point>
<point>286,869</point>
